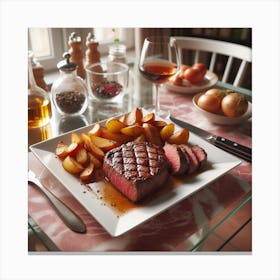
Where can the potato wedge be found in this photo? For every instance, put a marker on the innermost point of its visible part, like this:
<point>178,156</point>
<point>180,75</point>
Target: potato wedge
<point>73,149</point>
<point>75,138</point>
<point>61,150</point>
<point>114,125</point>
<point>135,116</point>
<point>133,130</point>
<point>152,134</point>
<point>123,118</point>
<point>118,137</point>
<point>88,172</point>
<point>159,124</point>
<point>96,130</point>
<point>179,137</point>
<point>149,118</point>
<point>103,143</point>
<point>97,163</point>
<point>167,131</point>
<point>82,156</point>
<point>89,146</point>
<point>72,166</point>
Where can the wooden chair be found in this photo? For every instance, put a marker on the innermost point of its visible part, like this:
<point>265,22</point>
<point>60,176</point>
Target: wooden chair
<point>213,48</point>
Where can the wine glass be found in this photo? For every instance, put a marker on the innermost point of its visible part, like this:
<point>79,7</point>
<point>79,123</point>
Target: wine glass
<point>159,61</point>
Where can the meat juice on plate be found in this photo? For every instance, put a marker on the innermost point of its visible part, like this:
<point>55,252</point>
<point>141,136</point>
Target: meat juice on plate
<point>39,111</point>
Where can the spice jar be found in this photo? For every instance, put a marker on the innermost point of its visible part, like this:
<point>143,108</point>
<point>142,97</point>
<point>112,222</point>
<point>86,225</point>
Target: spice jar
<point>69,92</point>
<point>117,53</point>
<point>39,105</point>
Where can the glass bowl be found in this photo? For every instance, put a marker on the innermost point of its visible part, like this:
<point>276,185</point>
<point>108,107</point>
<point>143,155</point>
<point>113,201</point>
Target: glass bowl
<point>106,81</point>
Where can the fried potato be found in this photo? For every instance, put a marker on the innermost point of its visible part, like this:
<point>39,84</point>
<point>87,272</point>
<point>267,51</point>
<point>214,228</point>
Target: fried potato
<point>87,173</point>
<point>135,116</point>
<point>103,143</point>
<point>114,125</point>
<point>61,150</point>
<point>133,130</point>
<point>91,147</point>
<point>149,118</point>
<point>152,134</point>
<point>179,137</point>
<point>96,130</point>
<point>71,165</point>
<point>167,131</point>
<point>118,137</point>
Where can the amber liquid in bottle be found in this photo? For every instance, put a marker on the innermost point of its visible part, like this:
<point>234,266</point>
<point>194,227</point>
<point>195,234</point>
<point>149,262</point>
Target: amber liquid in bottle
<point>39,111</point>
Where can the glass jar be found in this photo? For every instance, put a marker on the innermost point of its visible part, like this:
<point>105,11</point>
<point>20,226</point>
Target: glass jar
<point>69,91</point>
<point>39,105</point>
<point>117,53</point>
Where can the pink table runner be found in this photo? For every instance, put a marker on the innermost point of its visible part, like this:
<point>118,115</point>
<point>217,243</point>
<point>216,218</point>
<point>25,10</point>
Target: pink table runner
<point>165,232</point>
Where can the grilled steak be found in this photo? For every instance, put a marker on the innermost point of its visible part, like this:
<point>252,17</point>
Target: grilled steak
<point>200,155</point>
<point>136,169</point>
<point>185,159</point>
<point>177,159</point>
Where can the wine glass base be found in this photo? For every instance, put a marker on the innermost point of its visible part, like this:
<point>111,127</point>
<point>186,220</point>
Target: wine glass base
<point>162,113</point>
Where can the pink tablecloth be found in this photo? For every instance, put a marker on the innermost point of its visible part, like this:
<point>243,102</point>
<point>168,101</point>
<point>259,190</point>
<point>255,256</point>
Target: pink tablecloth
<point>165,232</point>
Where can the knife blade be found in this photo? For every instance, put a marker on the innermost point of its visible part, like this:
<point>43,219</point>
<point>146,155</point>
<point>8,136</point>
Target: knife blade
<point>220,142</point>
<point>71,219</point>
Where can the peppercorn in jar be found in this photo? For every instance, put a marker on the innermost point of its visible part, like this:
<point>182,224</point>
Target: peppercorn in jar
<point>69,92</point>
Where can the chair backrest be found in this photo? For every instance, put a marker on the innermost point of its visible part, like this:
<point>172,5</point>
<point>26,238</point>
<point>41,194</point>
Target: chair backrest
<point>215,47</point>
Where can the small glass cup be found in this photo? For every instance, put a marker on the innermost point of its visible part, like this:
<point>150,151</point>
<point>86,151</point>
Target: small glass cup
<point>107,83</point>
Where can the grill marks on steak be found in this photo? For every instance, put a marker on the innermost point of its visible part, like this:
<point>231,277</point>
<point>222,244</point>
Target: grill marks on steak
<point>136,169</point>
<point>185,159</point>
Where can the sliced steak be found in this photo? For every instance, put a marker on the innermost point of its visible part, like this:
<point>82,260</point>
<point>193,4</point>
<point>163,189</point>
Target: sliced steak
<point>201,155</point>
<point>193,161</point>
<point>136,169</point>
<point>179,163</point>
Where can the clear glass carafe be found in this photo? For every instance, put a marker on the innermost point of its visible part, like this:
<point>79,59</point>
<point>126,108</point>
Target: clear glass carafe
<point>39,105</point>
<point>69,91</point>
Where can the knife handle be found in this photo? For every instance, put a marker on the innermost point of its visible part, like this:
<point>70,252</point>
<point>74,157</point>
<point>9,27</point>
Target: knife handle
<point>234,148</point>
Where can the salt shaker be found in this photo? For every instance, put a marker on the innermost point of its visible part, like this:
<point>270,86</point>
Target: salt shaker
<point>69,91</point>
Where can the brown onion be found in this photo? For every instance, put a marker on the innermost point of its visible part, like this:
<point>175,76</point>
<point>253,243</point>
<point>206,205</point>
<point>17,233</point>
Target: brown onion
<point>234,105</point>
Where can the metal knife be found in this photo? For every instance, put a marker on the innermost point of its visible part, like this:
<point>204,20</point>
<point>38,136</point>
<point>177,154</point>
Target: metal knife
<point>220,142</point>
<point>72,220</point>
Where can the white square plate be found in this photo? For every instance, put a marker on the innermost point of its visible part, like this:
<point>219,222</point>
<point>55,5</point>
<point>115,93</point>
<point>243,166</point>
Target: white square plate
<point>111,209</point>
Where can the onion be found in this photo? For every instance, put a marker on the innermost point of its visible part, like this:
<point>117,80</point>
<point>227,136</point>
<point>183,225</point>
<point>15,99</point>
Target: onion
<point>234,105</point>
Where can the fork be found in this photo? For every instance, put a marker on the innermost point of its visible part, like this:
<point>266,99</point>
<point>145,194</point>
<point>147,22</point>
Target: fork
<point>71,219</point>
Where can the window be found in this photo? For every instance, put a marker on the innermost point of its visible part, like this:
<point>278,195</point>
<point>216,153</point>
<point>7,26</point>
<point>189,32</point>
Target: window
<point>48,44</point>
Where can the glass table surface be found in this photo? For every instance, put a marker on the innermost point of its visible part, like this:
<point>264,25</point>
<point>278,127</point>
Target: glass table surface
<point>197,222</point>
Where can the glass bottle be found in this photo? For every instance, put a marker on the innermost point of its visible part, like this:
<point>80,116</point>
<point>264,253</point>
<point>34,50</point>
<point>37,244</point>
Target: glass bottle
<point>117,53</point>
<point>39,73</point>
<point>69,91</point>
<point>39,106</point>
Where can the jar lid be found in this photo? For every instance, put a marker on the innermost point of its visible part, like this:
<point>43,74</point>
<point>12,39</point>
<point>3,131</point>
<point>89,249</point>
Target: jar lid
<point>66,65</point>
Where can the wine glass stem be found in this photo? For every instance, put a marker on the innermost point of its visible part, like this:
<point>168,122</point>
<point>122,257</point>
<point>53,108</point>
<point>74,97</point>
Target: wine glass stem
<point>157,103</point>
